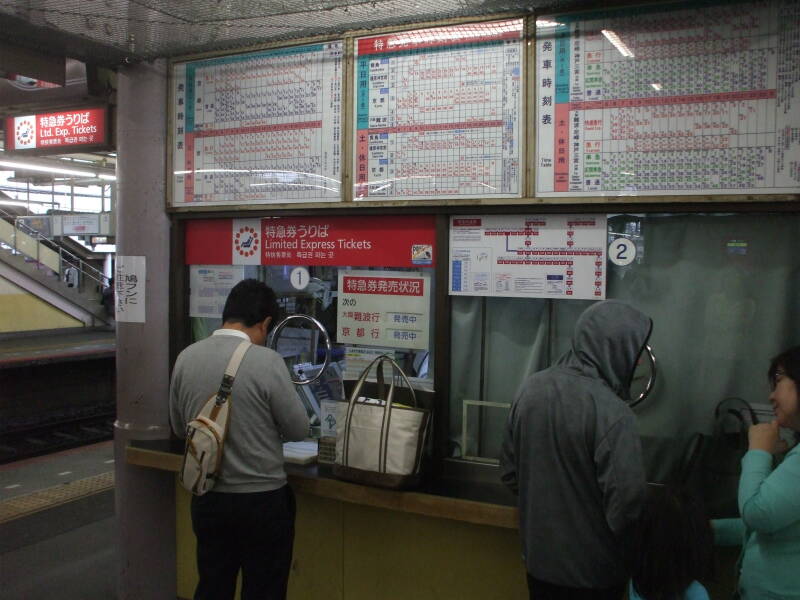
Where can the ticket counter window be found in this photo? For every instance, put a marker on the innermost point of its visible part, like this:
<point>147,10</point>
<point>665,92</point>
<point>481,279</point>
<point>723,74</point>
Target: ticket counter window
<point>722,290</point>
<point>365,308</point>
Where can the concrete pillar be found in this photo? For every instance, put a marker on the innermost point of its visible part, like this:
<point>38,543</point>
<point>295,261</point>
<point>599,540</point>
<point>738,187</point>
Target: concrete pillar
<point>145,498</point>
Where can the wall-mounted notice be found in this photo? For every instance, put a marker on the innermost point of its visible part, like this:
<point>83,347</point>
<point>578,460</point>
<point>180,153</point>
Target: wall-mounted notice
<point>209,287</point>
<point>529,256</point>
<point>395,241</point>
<point>383,308</point>
<point>129,289</point>
<point>438,113</point>
<point>679,99</point>
<point>79,224</point>
<point>262,127</point>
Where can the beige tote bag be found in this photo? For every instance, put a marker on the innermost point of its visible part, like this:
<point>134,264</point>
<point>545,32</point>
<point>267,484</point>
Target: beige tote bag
<point>379,442</point>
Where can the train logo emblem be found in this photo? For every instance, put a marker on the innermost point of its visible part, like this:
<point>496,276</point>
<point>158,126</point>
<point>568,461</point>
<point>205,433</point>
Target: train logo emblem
<point>25,133</point>
<point>246,241</point>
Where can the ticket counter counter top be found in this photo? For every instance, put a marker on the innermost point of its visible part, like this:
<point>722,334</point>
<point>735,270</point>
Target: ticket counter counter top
<point>446,539</point>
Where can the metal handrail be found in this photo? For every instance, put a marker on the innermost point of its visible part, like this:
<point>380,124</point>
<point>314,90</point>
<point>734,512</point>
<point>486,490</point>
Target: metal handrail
<point>83,268</point>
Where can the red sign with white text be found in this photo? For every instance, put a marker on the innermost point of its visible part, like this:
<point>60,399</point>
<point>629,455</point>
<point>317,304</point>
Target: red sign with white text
<point>393,241</point>
<point>70,128</point>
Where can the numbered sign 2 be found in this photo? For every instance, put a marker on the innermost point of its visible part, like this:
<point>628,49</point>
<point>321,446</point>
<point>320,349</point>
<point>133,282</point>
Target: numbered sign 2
<point>622,252</point>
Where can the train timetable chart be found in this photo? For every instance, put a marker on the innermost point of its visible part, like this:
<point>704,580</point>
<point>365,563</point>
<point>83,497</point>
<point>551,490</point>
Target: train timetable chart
<point>438,113</point>
<point>687,99</point>
<point>260,127</point>
<point>528,256</point>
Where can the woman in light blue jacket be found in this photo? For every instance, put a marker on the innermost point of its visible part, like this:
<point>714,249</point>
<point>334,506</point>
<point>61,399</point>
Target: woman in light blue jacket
<point>769,499</point>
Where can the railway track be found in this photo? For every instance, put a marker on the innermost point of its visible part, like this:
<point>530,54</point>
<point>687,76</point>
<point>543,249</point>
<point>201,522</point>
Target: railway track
<point>53,437</point>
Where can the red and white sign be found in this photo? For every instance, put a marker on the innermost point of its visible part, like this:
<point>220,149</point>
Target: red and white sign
<point>390,309</point>
<point>395,241</point>
<point>77,127</point>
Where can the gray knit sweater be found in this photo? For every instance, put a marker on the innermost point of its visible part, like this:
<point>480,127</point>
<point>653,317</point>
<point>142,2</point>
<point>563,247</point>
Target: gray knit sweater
<point>265,409</point>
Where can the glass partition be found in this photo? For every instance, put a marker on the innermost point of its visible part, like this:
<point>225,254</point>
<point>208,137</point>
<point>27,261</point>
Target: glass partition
<point>722,290</point>
<point>302,346</point>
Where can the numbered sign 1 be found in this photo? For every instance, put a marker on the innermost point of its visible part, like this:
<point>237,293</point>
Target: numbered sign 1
<point>622,252</point>
<point>299,278</point>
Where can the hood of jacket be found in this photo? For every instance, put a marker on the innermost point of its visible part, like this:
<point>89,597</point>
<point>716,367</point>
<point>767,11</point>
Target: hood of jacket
<point>609,337</point>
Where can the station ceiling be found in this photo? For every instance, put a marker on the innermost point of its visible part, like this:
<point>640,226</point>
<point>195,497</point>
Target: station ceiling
<point>112,32</point>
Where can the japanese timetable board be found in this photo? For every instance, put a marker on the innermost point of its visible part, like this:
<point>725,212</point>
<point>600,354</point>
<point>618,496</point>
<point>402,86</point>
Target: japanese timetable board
<point>261,127</point>
<point>438,113</point>
<point>528,256</point>
<point>687,99</point>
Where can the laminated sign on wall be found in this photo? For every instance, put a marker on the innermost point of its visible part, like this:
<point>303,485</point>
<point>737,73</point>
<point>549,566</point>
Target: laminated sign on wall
<point>529,256</point>
<point>384,308</point>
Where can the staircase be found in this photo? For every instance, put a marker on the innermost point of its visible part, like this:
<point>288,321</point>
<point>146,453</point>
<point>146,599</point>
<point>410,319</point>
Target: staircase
<point>36,264</point>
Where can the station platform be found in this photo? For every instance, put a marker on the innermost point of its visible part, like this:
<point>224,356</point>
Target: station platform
<point>57,526</point>
<point>59,346</point>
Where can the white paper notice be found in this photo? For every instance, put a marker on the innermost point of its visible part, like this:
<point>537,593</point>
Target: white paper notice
<point>209,287</point>
<point>357,359</point>
<point>129,289</point>
<point>529,256</point>
<point>384,308</point>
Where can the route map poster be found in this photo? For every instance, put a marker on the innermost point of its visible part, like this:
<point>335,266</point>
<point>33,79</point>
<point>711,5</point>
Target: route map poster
<point>529,256</point>
<point>258,128</point>
<point>438,113</point>
<point>700,98</point>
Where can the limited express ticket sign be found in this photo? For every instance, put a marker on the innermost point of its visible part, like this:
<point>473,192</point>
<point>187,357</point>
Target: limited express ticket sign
<point>37,133</point>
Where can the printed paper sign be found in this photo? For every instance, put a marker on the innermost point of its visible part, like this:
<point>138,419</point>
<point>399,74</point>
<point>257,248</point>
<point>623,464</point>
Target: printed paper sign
<point>528,256</point>
<point>129,289</point>
<point>383,308</point>
<point>396,241</point>
<point>628,105</point>
<point>438,112</point>
<point>80,224</point>
<point>357,359</point>
<point>209,287</point>
<point>258,127</point>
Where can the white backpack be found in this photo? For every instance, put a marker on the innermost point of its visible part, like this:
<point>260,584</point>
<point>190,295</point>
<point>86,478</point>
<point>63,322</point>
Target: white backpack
<point>205,434</point>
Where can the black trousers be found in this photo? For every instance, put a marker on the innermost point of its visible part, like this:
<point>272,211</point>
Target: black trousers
<point>252,532</point>
<point>542,590</point>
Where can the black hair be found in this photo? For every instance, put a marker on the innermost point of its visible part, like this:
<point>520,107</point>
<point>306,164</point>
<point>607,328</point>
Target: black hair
<point>674,544</point>
<point>789,362</point>
<point>250,302</point>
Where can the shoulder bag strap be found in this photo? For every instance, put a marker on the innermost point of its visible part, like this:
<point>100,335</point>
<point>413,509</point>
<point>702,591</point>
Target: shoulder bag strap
<point>224,392</point>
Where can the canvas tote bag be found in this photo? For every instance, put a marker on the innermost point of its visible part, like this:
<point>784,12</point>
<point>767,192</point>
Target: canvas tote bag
<point>380,442</point>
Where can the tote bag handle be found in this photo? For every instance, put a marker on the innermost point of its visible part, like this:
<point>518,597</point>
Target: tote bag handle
<point>387,406</point>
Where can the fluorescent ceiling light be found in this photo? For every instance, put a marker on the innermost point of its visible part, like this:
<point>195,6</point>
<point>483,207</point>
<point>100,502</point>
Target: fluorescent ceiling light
<point>45,166</point>
<point>618,43</point>
<point>656,86</point>
<point>546,23</point>
<point>46,169</point>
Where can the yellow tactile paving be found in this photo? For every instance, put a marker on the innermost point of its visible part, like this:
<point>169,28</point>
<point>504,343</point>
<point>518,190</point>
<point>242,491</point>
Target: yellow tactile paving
<point>21,506</point>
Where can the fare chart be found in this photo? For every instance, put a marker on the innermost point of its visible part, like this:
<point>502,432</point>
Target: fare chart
<point>438,113</point>
<point>261,127</point>
<point>688,99</point>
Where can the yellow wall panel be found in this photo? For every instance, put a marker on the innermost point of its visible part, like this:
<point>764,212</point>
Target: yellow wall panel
<point>21,311</point>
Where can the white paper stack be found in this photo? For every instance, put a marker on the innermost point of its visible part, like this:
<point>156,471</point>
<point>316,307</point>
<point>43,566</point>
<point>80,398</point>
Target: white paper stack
<point>300,452</point>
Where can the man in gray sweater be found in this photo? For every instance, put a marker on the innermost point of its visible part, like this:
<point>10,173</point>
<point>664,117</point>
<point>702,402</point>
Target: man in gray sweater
<point>572,453</point>
<point>247,521</point>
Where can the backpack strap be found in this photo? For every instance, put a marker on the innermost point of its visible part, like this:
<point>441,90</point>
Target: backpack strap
<point>224,393</point>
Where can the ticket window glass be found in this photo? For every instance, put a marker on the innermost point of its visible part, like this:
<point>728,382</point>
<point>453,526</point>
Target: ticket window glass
<point>722,291</point>
<point>356,323</point>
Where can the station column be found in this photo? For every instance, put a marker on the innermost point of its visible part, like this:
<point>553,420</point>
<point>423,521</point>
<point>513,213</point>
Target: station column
<point>145,498</point>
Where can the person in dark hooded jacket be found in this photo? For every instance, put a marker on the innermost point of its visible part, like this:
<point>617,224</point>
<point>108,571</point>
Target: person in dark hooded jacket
<point>572,452</point>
